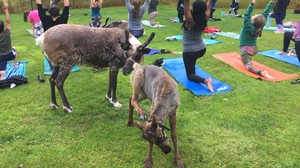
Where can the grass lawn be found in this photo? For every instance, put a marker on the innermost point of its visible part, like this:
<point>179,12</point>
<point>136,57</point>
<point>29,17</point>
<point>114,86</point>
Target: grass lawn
<point>257,124</point>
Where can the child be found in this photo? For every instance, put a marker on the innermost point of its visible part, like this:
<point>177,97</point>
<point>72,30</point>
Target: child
<point>152,12</point>
<point>234,7</point>
<point>95,12</point>
<point>34,19</point>
<point>6,51</point>
<point>279,15</point>
<point>192,42</point>
<point>180,7</point>
<point>252,29</point>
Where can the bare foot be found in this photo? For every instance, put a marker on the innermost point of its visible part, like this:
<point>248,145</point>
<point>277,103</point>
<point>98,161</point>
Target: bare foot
<point>282,53</point>
<point>208,82</point>
<point>266,75</point>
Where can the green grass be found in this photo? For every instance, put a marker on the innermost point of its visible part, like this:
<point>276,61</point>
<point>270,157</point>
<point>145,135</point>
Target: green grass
<point>255,125</point>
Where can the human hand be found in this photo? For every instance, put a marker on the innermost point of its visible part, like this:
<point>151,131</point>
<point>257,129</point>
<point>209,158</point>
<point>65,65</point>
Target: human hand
<point>5,5</point>
<point>149,1</point>
<point>253,1</point>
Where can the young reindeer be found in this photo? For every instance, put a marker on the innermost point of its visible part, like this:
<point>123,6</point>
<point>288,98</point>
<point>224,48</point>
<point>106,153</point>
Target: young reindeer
<point>153,83</point>
<point>66,45</point>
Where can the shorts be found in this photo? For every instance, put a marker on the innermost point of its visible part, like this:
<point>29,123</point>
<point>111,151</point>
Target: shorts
<point>5,58</point>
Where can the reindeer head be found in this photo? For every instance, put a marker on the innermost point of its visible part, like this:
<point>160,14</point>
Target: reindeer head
<point>136,55</point>
<point>154,133</point>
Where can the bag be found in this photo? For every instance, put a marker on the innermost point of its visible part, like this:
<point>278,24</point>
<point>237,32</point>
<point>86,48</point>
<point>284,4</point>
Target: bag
<point>212,29</point>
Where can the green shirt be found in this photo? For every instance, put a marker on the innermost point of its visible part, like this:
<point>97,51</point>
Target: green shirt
<point>247,35</point>
<point>5,42</point>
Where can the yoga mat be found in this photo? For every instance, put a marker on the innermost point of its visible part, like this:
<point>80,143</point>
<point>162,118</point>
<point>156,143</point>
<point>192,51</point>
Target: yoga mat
<point>147,23</point>
<point>229,34</point>
<point>292,59</point>
<point>152,51</point>
<point>272,28</point>
<point>176,68</point>
<point>30,32</point>
<point>11,71</point>
<point>48,71</point>
<point>233,59</point>
<point>207,40</point>
<point>173,19</point>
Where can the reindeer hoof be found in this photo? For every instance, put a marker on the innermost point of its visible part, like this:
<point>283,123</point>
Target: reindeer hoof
<point>143,117</point>
<point>54,106</point>
<point>69,110</point>
<point>116,104</point>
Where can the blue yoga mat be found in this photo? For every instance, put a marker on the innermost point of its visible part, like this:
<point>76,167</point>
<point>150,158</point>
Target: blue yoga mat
<point>176,68</point>
<point>292,59</point>
<point>10,71</point>
<point>272,28</point>
<point>48,71</point>
<point>152,51</point>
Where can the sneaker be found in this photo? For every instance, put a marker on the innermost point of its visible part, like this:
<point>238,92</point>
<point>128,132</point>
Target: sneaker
<point>279,31</point>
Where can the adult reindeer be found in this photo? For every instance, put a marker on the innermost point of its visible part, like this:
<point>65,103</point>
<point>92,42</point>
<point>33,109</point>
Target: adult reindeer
<point>66,45</point>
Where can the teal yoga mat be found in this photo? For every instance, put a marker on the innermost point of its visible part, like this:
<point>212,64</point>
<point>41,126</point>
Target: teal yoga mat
<point>176,68</point>
<point>292,59</point>
<point>48,71</point>
<point>11,71</point>
<point>271,28</point>
<point>147,23</point>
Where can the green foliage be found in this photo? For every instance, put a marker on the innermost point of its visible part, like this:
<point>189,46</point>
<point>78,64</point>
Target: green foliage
<point>255,125</point>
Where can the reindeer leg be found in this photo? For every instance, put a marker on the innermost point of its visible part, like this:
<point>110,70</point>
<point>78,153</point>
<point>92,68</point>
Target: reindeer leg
<point>52,78</point>
<point>148,160</point>
<point>59,81</point>
<point>130,114</point>
<point>177,157</point>
<point>113,74</point>
<point>137,96</point>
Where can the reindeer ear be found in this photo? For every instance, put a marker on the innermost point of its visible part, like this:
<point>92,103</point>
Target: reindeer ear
<point>138,124</point>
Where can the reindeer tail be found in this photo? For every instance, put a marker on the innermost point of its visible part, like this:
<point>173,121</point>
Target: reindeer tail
<point>40,40</point>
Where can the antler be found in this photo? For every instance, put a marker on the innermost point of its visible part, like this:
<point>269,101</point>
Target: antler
<point>148,40</point>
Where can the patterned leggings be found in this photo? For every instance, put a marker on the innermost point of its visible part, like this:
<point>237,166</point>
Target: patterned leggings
<point>247,52</point>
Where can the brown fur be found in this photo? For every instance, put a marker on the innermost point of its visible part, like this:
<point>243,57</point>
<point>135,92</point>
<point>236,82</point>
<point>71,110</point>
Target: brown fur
<point>66,45</point>
<point>153,83</point>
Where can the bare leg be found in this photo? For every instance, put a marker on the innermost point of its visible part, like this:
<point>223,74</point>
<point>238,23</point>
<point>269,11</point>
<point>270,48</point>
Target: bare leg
<point>266,75</point>
<point>15,61</point>
<point>2,75</point>
<point>208,82</point>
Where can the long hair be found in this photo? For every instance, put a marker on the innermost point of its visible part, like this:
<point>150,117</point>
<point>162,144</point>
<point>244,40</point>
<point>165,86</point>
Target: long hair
<point>136,8</point>
<point>198,14</point>
<point>26,13</point>
<point>1,26</point>
<point>258,22</point>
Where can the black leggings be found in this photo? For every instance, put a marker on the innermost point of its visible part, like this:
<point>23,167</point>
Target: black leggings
<point>286,43</point>
<point>212,13</point>
<point>189,59</point>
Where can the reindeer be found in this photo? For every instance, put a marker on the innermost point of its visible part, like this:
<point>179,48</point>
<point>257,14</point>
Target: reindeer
<point>66,45</point>
<point>153,83</point>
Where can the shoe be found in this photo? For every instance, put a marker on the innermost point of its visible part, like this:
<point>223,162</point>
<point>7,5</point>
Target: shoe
<point>279,31</point>
<point>41,79</point>
<point>296,81</point>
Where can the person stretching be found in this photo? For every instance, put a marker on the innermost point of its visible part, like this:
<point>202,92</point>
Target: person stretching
<point>252,29</point>
<point>192,42</point>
